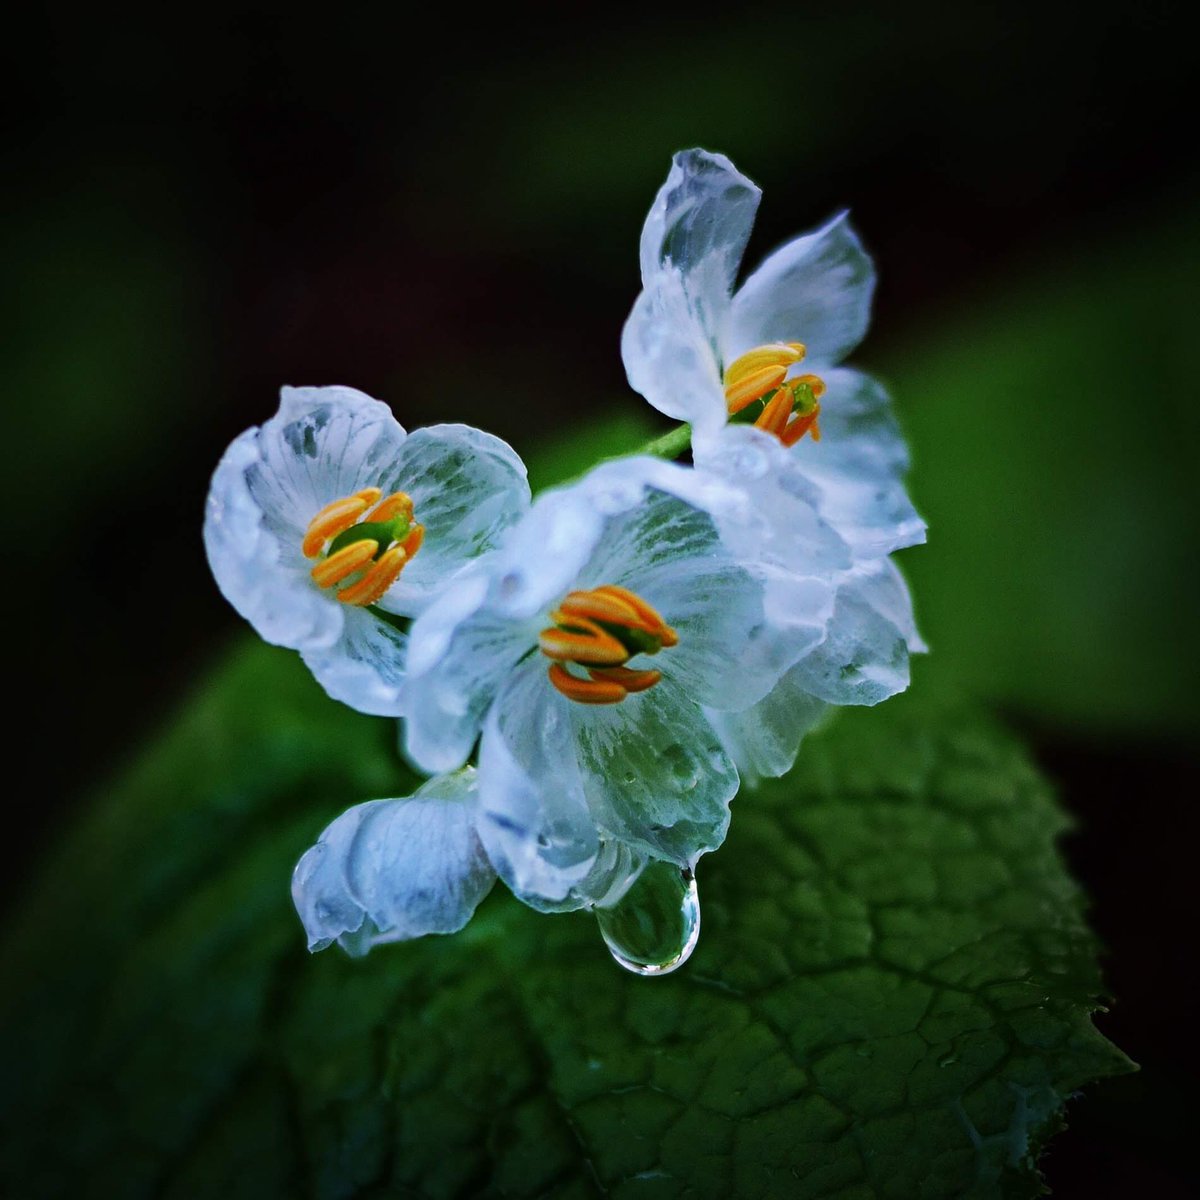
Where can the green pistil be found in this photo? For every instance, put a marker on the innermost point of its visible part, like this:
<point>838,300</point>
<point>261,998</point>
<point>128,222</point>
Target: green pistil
<point>383,532</point>
<point>636,641</point>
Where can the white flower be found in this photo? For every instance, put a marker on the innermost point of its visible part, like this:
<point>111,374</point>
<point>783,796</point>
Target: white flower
<point>701,351</point>
<point>328,526</point>
<point>391,870</point>
<point>583,654</point>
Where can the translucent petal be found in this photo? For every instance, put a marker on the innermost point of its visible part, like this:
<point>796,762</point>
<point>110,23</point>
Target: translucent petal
<point>391,870</point>
<point>691,247</point>
<point>323,444</point>
<point>534,818</point>
<point>864,658</point>
<point>655,773</point>
<point>670,358</point>
<point>858,466</point>
<point>700,222</point>
<point>257,572</point>
<point>467,487</point>
<point>364,668</point>
<point>763,740</point>
<point>671,553</point>
<point>815,289</point>
<point>459,654</point>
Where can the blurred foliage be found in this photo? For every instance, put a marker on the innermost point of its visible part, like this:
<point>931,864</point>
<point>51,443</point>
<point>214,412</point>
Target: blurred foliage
<point>1054,430</point>
<point>891,994</point>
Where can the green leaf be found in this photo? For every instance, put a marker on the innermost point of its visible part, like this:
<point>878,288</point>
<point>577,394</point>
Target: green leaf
<point>891,996</point>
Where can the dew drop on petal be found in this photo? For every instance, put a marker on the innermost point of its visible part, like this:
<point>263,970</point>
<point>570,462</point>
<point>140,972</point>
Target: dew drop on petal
<point>654,927</point>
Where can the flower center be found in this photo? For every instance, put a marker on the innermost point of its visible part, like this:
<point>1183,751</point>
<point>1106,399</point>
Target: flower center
<point>362,552</point>
<point>790,407</point>
<point>597,633</point>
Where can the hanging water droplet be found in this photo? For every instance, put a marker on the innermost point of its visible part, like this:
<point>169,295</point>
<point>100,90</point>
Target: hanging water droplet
<point>654,927</point>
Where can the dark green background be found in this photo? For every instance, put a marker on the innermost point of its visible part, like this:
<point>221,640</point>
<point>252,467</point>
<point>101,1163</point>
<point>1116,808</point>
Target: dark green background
<point>197,213</point>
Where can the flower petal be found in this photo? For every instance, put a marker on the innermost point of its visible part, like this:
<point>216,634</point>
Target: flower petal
<point>467,487</point>
<point>763,740</point>
<point>858,467</point>
<point>662,541</point>
<point>655,774</point>
<point>365,667</point>
<point>391,870</point>
<point>669,355</point>
<point>323,444</point>
<point>534,818</point>
<point>255,570</point>
<point>815,289</point>
<point>691,246</point>
<point>459,653</point>
<point>864,658</point>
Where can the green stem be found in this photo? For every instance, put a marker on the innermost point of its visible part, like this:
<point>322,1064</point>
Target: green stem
<point>670,445</point>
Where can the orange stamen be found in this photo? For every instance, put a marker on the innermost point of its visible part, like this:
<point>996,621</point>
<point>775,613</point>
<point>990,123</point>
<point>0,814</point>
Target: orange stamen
<point>392,507</point>
<point>412,543</point>
<point>654,622</point>
<point>793,432</point>
<point>344,563</point>
<point>775,413</point>
<point>584,642</point>
<point>330,521</point>
<point>377,580</point>
<point>585,691</point>
<point>631,681</point>
<point>604,606</point>
<point>753,387</point>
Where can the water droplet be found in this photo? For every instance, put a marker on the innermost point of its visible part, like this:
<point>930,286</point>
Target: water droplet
<point>654,927</point>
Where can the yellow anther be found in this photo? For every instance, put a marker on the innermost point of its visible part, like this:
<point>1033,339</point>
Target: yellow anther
<point>333,519</point>
<point>631,681</point>
<point>585,691</point>
<point>774,354</point>
<point>599,631</point>
<point>581,640</point>
<point>344,563</point>
<point>774,416</point>
<point>654,622</point>
<point>752,375</point>
<point>377,579</point>
<point>392,507</point>
<point>370,563</point>
<point>415,539</point>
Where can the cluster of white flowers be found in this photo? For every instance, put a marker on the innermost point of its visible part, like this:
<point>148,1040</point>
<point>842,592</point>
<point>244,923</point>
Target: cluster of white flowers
<point>588,676</point>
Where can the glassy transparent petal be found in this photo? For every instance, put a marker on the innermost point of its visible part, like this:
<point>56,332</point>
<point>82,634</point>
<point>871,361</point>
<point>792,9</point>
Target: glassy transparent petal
<point>655,773</point>
<point>459,653</point>
<point>815,289</point>
<point>671,553</point>
<point>467,488</point>
<point>323,444</point>
<point>763,740</point>
<point>391,870</point>
<point>864,658</point>
<point>534,820</point>
<point>364,668</point>
<point>670,357</point>
<point>699,223</point>
<point>255,570</point>
<point>858,467</point>
<point>691,247</point>
<point>615,870</point>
